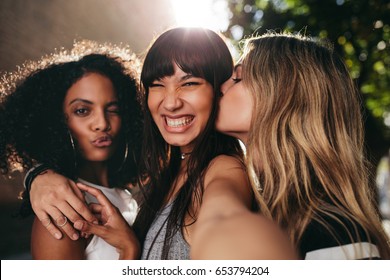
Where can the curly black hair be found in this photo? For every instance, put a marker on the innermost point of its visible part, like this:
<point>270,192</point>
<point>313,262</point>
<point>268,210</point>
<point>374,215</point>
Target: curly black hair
<point>33,127</point>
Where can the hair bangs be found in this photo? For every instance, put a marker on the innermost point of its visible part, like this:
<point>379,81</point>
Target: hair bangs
<point>196,51</point>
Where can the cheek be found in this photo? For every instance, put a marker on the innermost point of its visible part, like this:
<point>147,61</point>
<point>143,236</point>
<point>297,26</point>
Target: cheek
<point>77,129</point>
<point>116,125</point>
<point>235,111</point>
<point>247,108</point>
<point>230,103</point>
<point>152,103</point>
<point>243,98</point>
<point>205,108</point>
<point>201,102</point>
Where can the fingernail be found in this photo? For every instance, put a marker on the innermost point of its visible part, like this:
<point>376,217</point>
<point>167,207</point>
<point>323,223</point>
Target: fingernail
<point>75,236</point>
<point>57,235</point>
<point>95,222</point>
<point>78,225</point>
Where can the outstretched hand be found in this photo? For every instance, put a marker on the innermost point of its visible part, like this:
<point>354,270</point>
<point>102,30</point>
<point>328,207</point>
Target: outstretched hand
<point>112,227</point>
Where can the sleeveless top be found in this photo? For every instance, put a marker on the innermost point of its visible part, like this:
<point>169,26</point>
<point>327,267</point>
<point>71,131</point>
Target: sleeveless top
<point>97,248</point>
<point>154,241</point>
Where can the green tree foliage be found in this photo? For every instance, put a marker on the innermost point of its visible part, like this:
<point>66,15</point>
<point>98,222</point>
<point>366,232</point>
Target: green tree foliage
<point>359,30</point>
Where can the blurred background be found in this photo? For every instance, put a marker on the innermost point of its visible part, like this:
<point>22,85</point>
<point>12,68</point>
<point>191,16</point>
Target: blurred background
<point>359,30</point>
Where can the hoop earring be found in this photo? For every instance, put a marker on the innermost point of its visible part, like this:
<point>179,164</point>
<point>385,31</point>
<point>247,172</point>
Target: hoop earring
<point>125,157</point>
<point>74,150</point>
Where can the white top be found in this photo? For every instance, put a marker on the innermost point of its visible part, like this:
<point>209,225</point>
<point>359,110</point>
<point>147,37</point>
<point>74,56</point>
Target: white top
<point>98,249</point>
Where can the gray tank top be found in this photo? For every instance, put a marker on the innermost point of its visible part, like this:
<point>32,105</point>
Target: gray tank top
<point>179,250</point>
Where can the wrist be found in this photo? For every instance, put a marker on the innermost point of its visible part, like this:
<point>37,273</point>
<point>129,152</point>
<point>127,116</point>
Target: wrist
<point>32,174</point>
<point>132,252</point>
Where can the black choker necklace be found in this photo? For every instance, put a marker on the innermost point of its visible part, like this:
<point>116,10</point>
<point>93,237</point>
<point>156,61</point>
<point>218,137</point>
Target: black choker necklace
<point>184,155</point>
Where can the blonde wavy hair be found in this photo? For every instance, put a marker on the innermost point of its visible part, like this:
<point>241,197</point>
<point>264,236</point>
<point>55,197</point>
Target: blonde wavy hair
<point>305,146</point>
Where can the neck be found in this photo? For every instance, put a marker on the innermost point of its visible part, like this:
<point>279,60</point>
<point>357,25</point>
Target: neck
<point>96,173</point>
<point>184,155</point>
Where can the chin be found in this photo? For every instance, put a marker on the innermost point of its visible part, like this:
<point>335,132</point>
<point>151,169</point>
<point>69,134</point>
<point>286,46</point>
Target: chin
<point>223,130</point>
<point>100,157</point>
<point>178,141</point>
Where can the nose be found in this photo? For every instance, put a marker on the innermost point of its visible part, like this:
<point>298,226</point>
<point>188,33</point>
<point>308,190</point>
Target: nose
<point>172,100</point>
<point>100,122</point>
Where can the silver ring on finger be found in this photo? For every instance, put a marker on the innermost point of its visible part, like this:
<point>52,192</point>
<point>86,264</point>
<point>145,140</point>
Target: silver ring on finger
<point>61,221</point>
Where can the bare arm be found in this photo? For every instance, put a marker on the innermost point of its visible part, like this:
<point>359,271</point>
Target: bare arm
<point>113,227</point>
<point>226,228</point>
<point>45,247</point>
<point>244,236</point>
<point>53,196</point>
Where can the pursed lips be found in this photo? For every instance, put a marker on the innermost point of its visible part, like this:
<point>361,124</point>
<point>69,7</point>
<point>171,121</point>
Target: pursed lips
<point>102,141</point>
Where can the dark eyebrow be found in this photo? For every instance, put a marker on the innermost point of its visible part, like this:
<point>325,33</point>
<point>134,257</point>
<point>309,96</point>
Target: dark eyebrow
<point>80,100</point>
<point>186,77</point>
<point>115,102</point>
<point>183,78</point>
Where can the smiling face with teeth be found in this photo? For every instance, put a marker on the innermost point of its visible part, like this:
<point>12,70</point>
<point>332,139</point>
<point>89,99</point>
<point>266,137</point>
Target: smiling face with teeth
<point>180,106</point>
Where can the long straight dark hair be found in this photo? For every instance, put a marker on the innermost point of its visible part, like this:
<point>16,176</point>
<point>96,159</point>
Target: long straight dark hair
<point>204,54</point>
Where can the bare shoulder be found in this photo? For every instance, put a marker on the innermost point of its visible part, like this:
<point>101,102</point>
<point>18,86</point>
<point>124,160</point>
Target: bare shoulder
<point>226,178</point>
<point>227,167</point>
<point>45,247</point>
<point>226,161</point>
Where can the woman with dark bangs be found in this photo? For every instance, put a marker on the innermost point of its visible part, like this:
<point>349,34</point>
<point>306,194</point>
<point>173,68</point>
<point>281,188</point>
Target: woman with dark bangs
<point>184,156</point>
<point>190,167</point>
<point>82,119</point>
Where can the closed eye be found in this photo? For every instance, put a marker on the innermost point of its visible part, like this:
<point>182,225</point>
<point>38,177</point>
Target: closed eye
<point>187,84</point>
<point>155,85</point>
<point>236,80</point>
<point>113,110</point>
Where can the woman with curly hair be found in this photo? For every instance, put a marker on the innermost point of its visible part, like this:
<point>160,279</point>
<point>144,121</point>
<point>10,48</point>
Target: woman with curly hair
<point>80,118</point>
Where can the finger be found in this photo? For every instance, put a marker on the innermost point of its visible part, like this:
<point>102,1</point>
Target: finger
<point>76,209</point>
<point>67,210</point>
<point>54,231</point>
<point>46,221</point>
<point>101,198</point>
<point>79,209</point>
<point>67,202</point>
<point>64,209</point>
<point>61,225</point>
<point>77,191</point>
<point>61,221</point>
<point>90,228</point>
<point>95,208</point>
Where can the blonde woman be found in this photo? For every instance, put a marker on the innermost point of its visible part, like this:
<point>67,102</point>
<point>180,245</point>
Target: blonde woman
<point>294,105</point>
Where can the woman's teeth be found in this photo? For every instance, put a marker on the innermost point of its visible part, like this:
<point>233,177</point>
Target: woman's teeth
<point>179,122</point>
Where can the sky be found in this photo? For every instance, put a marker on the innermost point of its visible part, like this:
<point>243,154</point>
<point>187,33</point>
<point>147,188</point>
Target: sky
<point>31,29</point>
